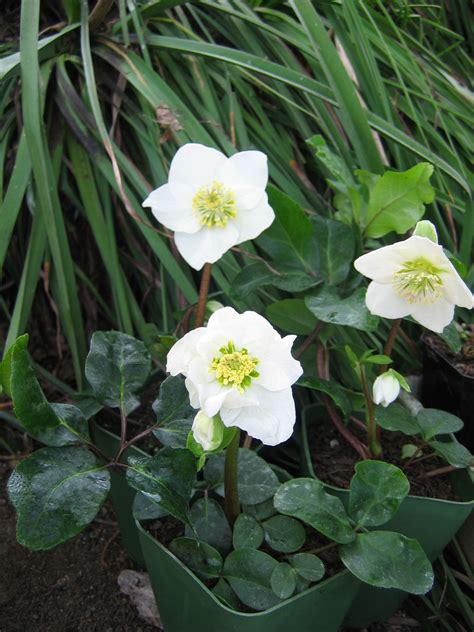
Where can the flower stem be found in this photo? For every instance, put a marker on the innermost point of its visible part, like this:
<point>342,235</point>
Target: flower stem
<point>387,350</point>
<point>232,503</point>
<point>203,291</point>
<point>374,440</point>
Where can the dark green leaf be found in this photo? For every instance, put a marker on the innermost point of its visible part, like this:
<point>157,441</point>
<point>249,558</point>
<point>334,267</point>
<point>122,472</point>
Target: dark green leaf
<point>333,163</point>
<point>261,511</point>
<point>200,557</point>
<point>56,493</point>
<point>249,573</point>
<point>146,509</point>
<point>210,524</point>
<point>257,275</point>
<point>329,388</point>
<point>377,490</point>
<point>292,316</point>
<point>172,402</point>
<point>308,566</point>
<point>247,532</point>
<point>396,418</point>
<point>226,595</point>
<point>305,499</point>
<point>117,366</point>
<point>175,433</point>
<point>388,560</point>
<point>437,422</point>
<point>283,580</point>
<point>166,478</point>
<point>451,337</point>
<point>335,245</point>
<point>327,306</point>
<point>284,534</point>
<point>453,452</point>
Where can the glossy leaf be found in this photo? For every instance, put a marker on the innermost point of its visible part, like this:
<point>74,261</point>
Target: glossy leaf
<point>117,366</point>
<point>335,245</point>
<point>308,566</point>
<point>56,492</point>
<point>434,422</point>
<point>175,433</point>
<point>226,595</point>
<point>376,492</point>
<point>327,306</point>
<point>332,389</point>
<point>260,511</point>
<point>291,315</point>
<point>257,275</point>
<point>283,580</point>
<point>249,573</point>
<point>210,524</point>
<point>172,402</point>
<point>388,560</point>
<point>453,452</point>
<point>200,557</point>
<point>305,499</point>
<point>284,534</point>
<point>247,532</point>
<point>396,418</point>
<point>146,509</point>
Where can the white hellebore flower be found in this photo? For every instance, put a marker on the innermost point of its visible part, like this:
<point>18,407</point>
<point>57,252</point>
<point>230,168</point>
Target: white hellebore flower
<point>385,389</point>
<point>212,202</point>
<point>413,278</point>
<point>207,431</point>
<point>240,367</point>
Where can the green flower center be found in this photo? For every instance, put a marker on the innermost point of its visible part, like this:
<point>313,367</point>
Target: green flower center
<point>234,368</point>
<point>419,281</point>
<point>215,204</point>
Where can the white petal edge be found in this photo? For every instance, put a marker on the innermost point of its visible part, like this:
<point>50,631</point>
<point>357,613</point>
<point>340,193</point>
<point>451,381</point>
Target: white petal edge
<point>246,168</point>
<point>183,352</point>
<point>434,316</point>
<point>208,245</point>
<point>196,165</point>
<point>171,204</point>
<point>253,222</point>
<point>382,300</point>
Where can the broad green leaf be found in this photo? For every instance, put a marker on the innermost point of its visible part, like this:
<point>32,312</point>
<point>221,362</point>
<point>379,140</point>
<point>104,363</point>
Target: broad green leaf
<point>329,388</point>
<point>409,450</point>
<point>210,525</point>
<point>376,492</point>
<point>434,422</point>
<point>51,424</point>
<point>175,433</point>
<point>291,315</point>
<point>167,478</point>
<point>388,560</point>
<point>453,452</point>
<point>200,557</point>
<point>397,201</point>
<point>248,534</point>
<point>117,366</point>
<point>226,595</point>
<point>335,246</point>
<point>257,275</point>
<point>308,566</point>
<point>260,511</point>
<point>56,492</point>
<point>305,499</point>
<point>284,534</point>
<point>327,306</point>
<point>451,337</point>
<point>146,509</point>
<point>333,163</point>
<point>283,580</point>
<point>289,238</point>
<point>172,402</point>
<point>397,419</point>
<point>249,573</point>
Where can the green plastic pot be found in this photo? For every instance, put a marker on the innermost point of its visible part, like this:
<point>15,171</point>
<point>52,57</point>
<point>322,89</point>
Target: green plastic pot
<point>185,603</point>
<point>121,493</point>
<point>432,522</point>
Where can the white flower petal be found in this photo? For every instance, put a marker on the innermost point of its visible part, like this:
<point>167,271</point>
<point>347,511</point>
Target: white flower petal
<point>246,168</point>
<point>195,165</point>
<point>434,316</point>
<point>171,204</point>
<point>271,422</point>
<point>253,222</point>
<point>183,352</point>
<point>454,288</point>
<point>385,389</point>
<point>193,393</point>
<point>278,369</point>
<point>208,245</point>
<point>382,300</point>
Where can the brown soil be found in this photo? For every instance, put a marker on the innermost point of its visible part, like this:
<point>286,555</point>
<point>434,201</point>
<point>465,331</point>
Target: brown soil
<point>334,459</point>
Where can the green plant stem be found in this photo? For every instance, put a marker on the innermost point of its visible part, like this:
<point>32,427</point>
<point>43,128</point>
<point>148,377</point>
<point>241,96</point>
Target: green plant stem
<point>374,440</point>
<point>203,292</point>
<point>232,503</point>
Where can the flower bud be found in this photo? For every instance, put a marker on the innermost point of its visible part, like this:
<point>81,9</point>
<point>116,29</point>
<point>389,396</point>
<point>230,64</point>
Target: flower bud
<point>385,389</point>
<point>208,431</point>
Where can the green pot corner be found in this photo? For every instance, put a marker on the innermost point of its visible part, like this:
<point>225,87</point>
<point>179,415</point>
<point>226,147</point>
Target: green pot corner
<point>432,522</point>
<point>185,603</point>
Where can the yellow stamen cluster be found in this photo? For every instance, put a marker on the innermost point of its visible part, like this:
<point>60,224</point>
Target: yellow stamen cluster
<point>214,204</point>
<point>418,281</point>
<point>234,368</point>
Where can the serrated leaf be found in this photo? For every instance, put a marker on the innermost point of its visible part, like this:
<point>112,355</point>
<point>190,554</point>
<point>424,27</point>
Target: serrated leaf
<point>117,367</point>
<point>305,499</point>
<point>397,419</point>
<point>200,557</point>
<point>397,200</point>
<point>335,245</point>
<point>453,452</point>
<point>283,580</point>
<point>388,560</point>
<point>434,422</point>
<point>329,388</point>
<point>376,492</point>
<point>57,492</point>
<point>308,566</point>
<point>284,534</point>
<point>352,311</point>
<point>166,478</point>
<point>333,163</point>
<point>249,573</point>
<point>247,532</point>
<point>291,315</point>
<point>210,524</point>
